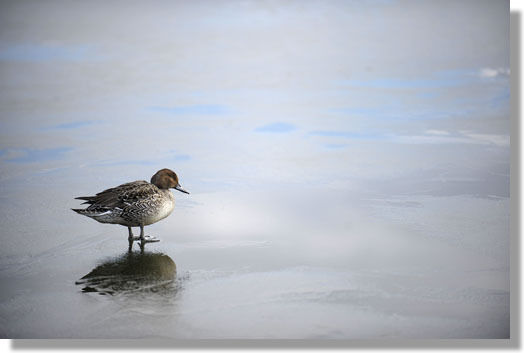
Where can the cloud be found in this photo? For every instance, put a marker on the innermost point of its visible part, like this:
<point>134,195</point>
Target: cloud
<point>276,128</point>
<point>488,72</point>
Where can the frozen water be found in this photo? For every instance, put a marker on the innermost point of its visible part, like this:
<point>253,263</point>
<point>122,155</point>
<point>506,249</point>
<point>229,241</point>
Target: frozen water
<point>418,267</point>
<point>349,175</point>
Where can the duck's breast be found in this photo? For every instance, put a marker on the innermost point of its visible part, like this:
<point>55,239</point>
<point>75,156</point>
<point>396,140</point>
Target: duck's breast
<point>163,208</point>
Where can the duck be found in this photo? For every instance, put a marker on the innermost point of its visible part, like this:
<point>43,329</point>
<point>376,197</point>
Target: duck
<point>134,204</point>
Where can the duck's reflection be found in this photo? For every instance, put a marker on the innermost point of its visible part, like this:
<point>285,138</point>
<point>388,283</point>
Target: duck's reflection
<point>132,272</point>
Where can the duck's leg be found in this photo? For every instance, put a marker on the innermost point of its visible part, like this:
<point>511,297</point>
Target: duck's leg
<point>132,237</point>
<point>130,233</point>
<point>146,238</point>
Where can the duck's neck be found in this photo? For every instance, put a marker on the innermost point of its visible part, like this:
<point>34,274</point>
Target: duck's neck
<point>167,193</point>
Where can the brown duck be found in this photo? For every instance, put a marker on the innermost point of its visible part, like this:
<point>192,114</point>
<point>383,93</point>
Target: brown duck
<point>135,204</point>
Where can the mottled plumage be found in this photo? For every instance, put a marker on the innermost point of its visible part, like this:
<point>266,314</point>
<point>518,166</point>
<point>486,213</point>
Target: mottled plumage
<point>135,204</point>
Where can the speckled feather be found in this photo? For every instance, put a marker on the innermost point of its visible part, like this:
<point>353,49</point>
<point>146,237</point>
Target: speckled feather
<point>120,196</point>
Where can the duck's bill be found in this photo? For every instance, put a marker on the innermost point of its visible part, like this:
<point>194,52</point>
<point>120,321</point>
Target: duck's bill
<point>180,189</point>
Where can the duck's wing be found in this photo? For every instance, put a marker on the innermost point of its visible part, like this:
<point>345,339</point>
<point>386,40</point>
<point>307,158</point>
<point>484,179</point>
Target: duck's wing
<point>121,196</point>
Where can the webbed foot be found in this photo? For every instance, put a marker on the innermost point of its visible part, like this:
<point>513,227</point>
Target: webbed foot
<point>148,239</point>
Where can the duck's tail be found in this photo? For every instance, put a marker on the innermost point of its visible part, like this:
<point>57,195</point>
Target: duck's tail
<point>87,199</point>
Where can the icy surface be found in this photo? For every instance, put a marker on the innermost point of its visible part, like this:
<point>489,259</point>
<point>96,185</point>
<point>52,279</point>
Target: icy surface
<point>411,267</point>
<point>348,163</point>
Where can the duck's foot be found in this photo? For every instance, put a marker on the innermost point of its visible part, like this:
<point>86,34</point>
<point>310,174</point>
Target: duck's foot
<point>148,239</point>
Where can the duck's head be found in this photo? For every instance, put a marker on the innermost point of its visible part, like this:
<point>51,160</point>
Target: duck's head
<point>166,179</point>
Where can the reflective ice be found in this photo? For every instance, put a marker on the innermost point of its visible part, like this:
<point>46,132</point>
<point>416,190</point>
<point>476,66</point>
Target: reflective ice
<point>349,175</point>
